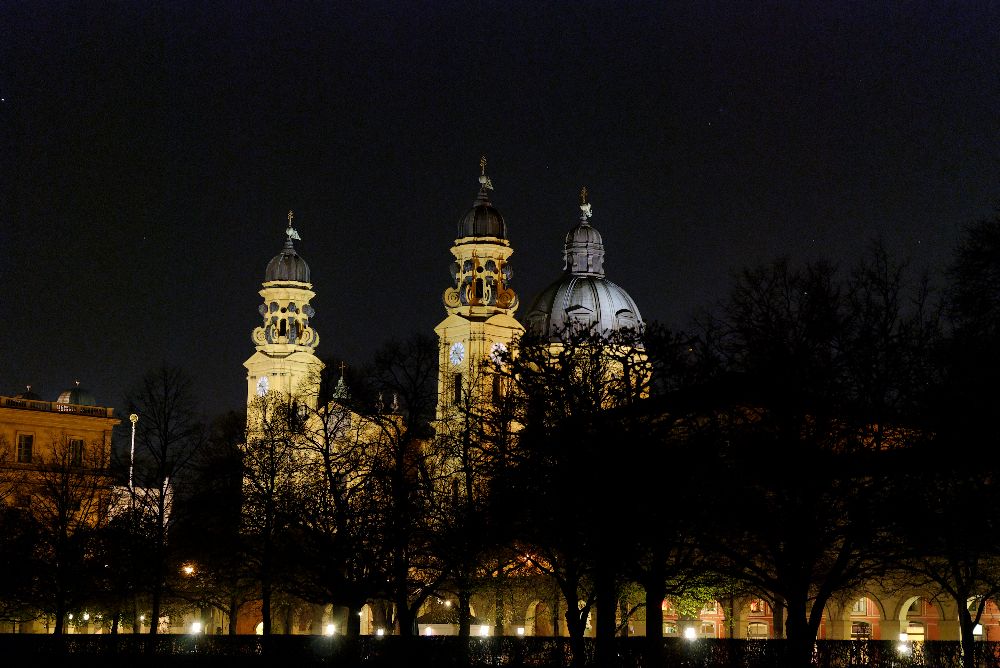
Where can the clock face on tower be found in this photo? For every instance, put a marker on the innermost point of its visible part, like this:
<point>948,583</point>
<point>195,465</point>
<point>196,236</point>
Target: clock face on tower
<point>457,353</point>
<point>262,386</point>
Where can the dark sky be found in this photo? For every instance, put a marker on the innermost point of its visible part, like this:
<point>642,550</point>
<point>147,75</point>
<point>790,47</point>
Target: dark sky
<point>150,152</point>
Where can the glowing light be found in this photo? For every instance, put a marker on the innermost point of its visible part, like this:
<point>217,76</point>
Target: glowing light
<point>447,604</point>
<point>142,618</point>
<point>690,633</point>
<point>903,648</point>
<point>71,616</point>
<point>429,631</point>
<point>330,629</point>
<point>484,630</point>
<point>380,632</point>
<point>903,637</point>
<point>188,569</point>
<point>977,630</point>
<point>520,630</point>
<point>86,616</point>
<point>195,627</point>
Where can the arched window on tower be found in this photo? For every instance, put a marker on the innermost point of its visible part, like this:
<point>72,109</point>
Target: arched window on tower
<point>456,389</point>
<point>282,327</point>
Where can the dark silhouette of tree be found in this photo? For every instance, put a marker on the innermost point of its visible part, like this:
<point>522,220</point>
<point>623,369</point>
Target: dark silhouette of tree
<point>815,375</point>
<point>271,462</point>
<point>337,523</point>
<point>576,395</point>
<point>169,434</point>
<point>70,500</point>
<point>400,472</point>
<point>954,547</point>
<point>213,508</point>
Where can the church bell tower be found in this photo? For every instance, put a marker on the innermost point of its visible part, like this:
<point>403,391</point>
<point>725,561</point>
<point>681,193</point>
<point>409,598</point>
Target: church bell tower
<point>480,304</point>
<point>285,342</point>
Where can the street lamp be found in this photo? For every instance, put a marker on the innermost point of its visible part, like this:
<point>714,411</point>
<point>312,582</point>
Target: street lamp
<point>133,418</point>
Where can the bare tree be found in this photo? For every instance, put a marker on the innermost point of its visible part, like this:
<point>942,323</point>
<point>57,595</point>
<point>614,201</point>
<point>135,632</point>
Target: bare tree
<point>169,434</point>
<point>70,499</point>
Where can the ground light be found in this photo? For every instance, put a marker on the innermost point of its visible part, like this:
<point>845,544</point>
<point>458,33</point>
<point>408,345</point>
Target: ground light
<point>690,633</point>
<point>380,632</point>
<point>520,630</point>
<point>484,630</point>
<point>195,627</point>
<point>330,629</point>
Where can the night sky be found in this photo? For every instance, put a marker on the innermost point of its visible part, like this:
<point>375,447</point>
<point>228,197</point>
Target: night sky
<point>151,151</point>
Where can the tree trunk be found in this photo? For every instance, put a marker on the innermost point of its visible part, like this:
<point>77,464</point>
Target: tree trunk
<point>265,605</point>
<point>656,591</point>
<point>607,604</point>
<point>576,624</point>
<point>464,618</point>
<point>234,612</point>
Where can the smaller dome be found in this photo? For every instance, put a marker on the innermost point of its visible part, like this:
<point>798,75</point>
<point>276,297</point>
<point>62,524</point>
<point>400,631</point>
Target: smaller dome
<point>28,395</point>
<point>483,220</point>
<point>76,396</point>
<point>287,265</point>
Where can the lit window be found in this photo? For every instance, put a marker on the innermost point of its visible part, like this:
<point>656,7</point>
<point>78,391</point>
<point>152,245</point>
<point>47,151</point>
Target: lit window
<point>860,607</point>
<point>757,631</point>
<point>25,444</point>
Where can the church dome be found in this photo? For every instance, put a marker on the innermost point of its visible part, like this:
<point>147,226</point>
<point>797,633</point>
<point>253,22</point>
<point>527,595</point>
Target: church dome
<point>28,395</point>
<point>483,220</point>
<point>287,265</point>
<point>583,297</point>
<point>76,396</point>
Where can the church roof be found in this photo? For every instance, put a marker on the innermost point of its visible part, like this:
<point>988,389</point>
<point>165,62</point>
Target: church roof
<point>483,219</point>
<point>287,265</point>
<point>583,297</point>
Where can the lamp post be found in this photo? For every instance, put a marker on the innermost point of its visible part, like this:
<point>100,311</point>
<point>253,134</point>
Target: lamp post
<point>133,418</point>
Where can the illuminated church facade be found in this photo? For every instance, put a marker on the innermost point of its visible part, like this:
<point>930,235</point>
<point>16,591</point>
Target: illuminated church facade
<point>480,324</point>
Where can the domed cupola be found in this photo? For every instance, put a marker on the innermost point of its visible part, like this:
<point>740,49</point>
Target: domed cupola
<point>483,220</point>
<point>28,395</point>
<point>76,396</point>
<point>287,265</point>
<point>583,297</point>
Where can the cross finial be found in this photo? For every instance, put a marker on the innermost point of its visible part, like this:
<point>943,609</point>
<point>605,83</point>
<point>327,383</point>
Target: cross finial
<point>343,365</point>
<point>583,195</point>
<point>482,166</point>
<point>290,216</point>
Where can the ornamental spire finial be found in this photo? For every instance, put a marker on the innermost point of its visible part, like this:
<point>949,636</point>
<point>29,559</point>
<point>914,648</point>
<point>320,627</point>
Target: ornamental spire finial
<point>290,231</point>
<point>585,209</point>
<point>483,179</point>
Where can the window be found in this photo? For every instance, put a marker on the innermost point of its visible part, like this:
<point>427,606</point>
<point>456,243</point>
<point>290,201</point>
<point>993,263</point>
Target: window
<point>76,451</point>
<point>456,389</point>
<point>861,630</point>
<point>707,629</point>
<point>25,444</point>
<point>758,607</point>
<point>860,607</point>
<point>757,631</point>
<point>710,608</point>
